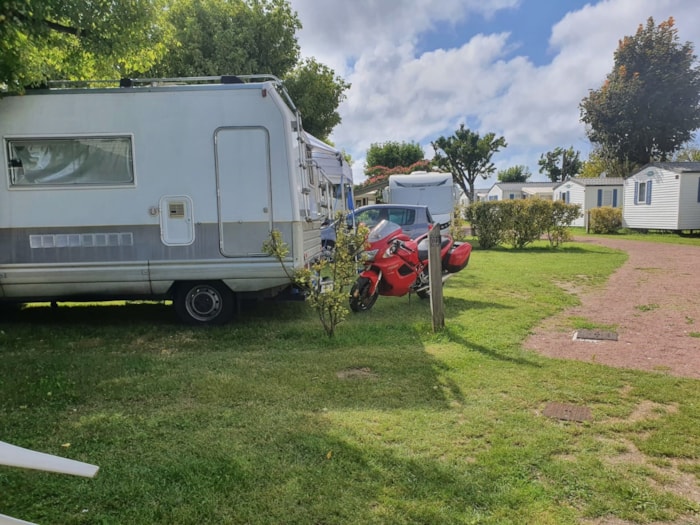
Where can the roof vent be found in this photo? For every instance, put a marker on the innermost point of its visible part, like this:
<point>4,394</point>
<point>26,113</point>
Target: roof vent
<point>231,79</point>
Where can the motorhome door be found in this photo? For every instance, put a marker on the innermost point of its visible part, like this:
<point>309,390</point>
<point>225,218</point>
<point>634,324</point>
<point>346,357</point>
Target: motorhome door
<point>244,190</point>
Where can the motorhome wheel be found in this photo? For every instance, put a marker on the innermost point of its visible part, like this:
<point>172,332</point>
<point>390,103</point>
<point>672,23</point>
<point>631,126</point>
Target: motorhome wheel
<point>204,303</point>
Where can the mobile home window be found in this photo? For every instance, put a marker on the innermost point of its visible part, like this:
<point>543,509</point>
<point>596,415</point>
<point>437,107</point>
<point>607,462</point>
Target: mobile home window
<point>70,161</point>
<point>642,192</point>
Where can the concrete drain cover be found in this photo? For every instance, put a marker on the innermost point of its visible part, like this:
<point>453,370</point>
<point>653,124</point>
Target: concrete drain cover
<point>567,412</point>
<point>595,335</point>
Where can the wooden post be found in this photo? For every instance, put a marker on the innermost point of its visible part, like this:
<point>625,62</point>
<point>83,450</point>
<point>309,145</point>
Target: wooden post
<point>437,306</point>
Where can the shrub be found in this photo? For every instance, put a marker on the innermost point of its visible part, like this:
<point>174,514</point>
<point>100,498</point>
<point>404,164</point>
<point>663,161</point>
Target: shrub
<point>521,221</point>
<point>605,220</point>
<point>326,284</point>
<point>487,222</point>
<point>528,220</point>
<point>458,227</point>
<point>562,216</point>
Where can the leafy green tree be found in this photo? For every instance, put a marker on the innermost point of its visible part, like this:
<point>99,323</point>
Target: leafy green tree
<point>317,93</point>
<point>594,167</point>
<point>393,154</point>
<point>467,155</point>
<point>560,163</point>
<point>602,163</point>
<point>78,39</point>
<point>649,105</point>
<point>230,37</point>
<point>688,154</point>
<point>253,37</point>
<point>517,173</point>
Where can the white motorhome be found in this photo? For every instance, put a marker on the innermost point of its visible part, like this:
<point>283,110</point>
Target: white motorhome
<point>435,190</point>
<point>160,189</point>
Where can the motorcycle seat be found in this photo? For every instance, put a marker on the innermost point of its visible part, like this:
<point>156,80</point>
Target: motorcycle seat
<point>424,247</point>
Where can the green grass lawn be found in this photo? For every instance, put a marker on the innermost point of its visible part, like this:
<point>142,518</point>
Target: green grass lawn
<point>268,421</point>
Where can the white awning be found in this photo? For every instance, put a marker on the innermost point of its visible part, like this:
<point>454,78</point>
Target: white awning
<point>329,160</point>
<point>538,191</point>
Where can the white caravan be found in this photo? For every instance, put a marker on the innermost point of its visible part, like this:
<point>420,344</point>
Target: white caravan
<point>160,189</point>
<point>435,190</point>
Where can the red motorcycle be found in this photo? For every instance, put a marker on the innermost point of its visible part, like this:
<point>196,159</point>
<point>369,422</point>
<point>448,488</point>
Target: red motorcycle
<point>396,265</point>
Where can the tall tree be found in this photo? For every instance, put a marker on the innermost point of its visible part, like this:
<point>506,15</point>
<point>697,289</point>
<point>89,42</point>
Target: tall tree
<point>230,37</point>
<point>393,154</point>
<point>649,105</point>
<point>517,173</point>
<point>78,39</point>
<point>594,167</point>
<point>467,155</point>
<point>560,163</point>
<point>253,37</point>
<point>687,154</point>
<point>601,163</point>
<point>317,93</point>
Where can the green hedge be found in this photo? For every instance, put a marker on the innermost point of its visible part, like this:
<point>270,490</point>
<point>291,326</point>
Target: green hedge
<point>519,222</point>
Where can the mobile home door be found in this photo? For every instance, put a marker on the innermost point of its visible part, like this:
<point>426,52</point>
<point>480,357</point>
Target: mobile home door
<point>243,181</point>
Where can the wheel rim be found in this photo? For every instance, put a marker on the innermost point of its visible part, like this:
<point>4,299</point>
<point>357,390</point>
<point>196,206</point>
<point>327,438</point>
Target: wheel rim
<point>203,303</point>
<point>363,301</point>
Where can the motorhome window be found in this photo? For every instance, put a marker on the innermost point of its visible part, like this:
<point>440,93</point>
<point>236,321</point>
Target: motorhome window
<point>70,161</point>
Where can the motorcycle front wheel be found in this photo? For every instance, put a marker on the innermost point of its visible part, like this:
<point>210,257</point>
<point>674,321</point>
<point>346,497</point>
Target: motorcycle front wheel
<point>360,298</point>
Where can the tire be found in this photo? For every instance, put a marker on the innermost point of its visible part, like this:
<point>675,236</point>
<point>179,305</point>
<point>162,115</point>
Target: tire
<point>204,303</point>
<point>425,294</point>
<point>327,250</point>
<point>424,277</point>
<point>360,300</point>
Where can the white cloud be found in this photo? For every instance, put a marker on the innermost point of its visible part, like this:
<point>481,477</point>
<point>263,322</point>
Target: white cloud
<point>399,93</point>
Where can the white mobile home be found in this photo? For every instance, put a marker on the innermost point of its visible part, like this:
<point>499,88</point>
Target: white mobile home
<point>503,191</point>
<point>590,193</point>
<point>154,189</point>
<point>663,196</point>
<point>434,190</point>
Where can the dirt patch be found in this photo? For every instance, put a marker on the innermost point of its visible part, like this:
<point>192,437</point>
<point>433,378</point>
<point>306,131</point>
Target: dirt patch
<point>653,303</point>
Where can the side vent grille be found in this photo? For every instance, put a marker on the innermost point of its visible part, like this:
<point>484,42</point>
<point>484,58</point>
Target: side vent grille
<point>176,210</point>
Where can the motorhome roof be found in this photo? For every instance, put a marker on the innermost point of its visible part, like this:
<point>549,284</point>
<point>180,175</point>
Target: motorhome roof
<point>159,82</point>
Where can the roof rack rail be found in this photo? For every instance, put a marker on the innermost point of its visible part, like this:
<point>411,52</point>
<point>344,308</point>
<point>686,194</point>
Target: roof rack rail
<point>167,81</point>
<point>128,83</point>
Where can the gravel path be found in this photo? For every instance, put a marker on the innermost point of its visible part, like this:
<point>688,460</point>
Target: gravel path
<point>652,300</point>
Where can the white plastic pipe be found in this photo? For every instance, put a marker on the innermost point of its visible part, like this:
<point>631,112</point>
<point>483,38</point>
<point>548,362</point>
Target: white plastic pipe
<point>6,520</point>
<point>14,456</point>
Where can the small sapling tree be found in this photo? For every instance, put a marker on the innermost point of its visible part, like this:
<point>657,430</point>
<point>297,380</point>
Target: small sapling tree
<point>327,282</point>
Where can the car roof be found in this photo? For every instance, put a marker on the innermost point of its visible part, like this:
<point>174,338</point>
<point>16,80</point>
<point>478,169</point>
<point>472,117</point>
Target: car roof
<point>404,206</point>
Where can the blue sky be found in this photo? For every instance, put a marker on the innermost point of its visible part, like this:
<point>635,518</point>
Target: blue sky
<point>518,68</point>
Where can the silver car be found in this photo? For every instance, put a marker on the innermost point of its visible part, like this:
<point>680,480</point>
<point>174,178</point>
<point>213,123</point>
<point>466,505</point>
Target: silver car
<point>414,220</point>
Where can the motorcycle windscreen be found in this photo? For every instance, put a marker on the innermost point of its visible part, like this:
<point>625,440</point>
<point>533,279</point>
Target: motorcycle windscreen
<point>382,230</point>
